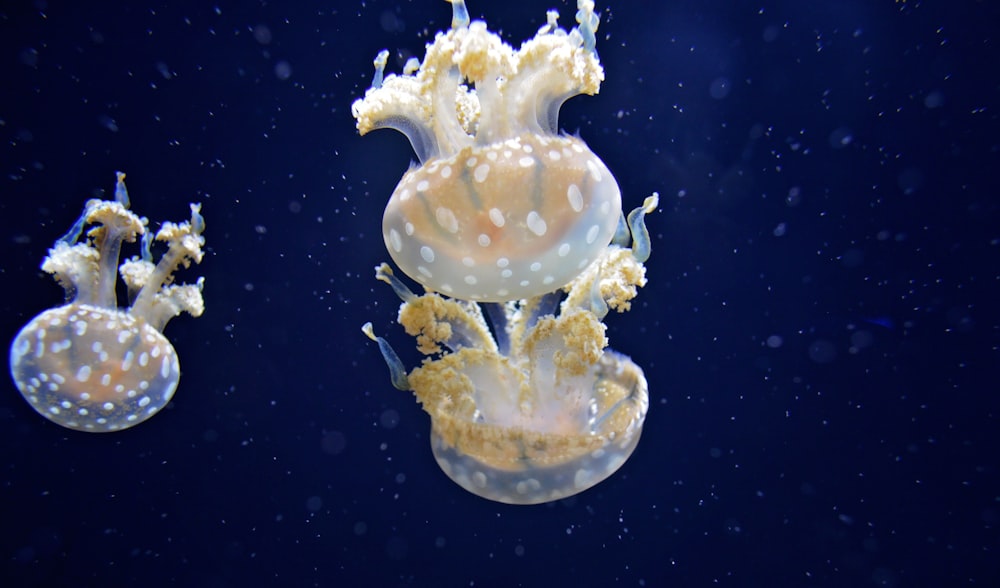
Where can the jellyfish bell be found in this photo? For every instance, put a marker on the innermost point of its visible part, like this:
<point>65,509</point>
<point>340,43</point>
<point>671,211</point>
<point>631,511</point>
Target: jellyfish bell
<point>501,206</point>
<point>93,369</point>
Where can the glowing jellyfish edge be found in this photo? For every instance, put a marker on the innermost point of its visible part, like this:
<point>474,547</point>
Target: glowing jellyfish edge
<point>510,218</point>
<point>89,365</point>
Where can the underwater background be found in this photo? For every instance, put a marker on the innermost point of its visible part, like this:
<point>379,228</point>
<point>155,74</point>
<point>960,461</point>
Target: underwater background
<point>820,330</point>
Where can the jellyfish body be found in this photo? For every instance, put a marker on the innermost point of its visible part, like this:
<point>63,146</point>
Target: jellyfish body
<point>89,365</point>
<point>501,207</point>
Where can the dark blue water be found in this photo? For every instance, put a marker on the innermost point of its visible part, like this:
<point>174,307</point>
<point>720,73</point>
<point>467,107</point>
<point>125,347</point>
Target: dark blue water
<point>820,330</point>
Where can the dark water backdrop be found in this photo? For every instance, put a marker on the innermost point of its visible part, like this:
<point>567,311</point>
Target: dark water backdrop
<point>820,329</point>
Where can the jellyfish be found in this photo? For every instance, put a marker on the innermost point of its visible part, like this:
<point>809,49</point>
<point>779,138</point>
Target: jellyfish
<point>89,365</point>
<point>506,223</point>
<point>537,409</point>
<point>502,206</point>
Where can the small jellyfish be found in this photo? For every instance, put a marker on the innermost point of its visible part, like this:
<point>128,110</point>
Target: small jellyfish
<point>89,365</point>
<point>539,409</point>
<point>502,206</point>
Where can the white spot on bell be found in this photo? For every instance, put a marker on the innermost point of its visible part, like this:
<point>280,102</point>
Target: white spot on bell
<point>575,197</point>
<point>446,218</point>
<point>595,171</point>
<point>395,241</point>
<point>535,223</point>
<point>497,218</point>
<point>480,173</point>
<point>479,479</point>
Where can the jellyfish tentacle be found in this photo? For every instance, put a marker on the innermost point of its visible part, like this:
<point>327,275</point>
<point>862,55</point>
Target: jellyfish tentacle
<point>588,24</point>
<point>641,246</point>
<point>121,192</point>
<point>114,224</point>
<point>459,14</point>
<point>397,373</point>
<point>623,236</point>
<point>383,273</point>
<point>380,61</point>
<point>73,235</point>
<point>156,301</point>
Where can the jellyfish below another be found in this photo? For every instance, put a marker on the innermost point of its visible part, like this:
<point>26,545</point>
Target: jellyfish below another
<point>89,365</point>
<point>537,410</point>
